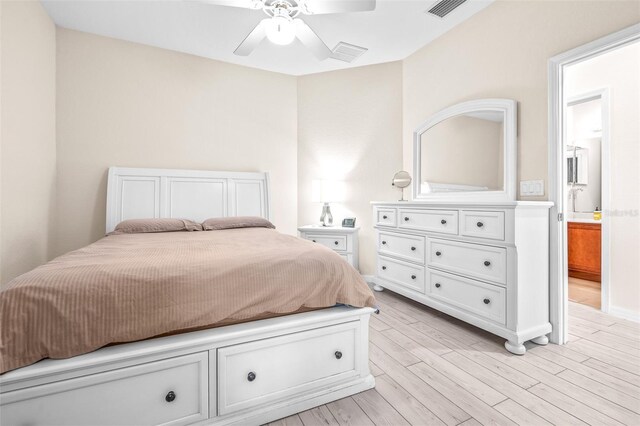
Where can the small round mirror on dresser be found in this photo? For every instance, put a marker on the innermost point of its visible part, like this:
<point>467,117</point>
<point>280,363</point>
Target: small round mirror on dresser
<point>401,180</point>
<point>467,152</point>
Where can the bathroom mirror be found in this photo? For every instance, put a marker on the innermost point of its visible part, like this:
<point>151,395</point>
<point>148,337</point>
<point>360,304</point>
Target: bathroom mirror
<point>467,152</point>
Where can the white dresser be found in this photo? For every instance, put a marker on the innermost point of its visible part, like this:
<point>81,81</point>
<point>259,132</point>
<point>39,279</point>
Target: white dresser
<point>486,263</point>
<point>343,241</point>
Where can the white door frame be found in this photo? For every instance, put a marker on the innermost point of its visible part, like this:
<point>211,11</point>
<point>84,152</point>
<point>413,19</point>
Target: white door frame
<point>558,290</point>
<point>605,198</point>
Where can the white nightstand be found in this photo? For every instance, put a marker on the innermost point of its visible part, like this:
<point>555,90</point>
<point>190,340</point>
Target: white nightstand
<point>343,241</point>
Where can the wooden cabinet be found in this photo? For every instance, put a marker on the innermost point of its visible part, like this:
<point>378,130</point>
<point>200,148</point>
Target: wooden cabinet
<point>584,241</point>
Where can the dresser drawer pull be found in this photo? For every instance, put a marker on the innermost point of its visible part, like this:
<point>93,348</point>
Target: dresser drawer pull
<point>487,263</point>
<point>487,301</point>
<point>171,396</point>
<point>251,376</point>
<point>479,224</point>
<point>438,285</point>
<point>385,217</point>
<point>384,242</point>
<point>336,243</point>
<point>444,222</point>
<point>413,249</point>
<point>406,219</point>
<point>413,277</point>
<point>438,253</point>
<point>338,354</point>
<point>384,268</point>
<point>313,241</point>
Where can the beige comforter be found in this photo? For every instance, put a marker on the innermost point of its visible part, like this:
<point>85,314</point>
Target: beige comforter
<point>135,286</point>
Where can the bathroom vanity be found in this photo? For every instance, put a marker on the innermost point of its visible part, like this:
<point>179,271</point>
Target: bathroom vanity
<point>584,246</point>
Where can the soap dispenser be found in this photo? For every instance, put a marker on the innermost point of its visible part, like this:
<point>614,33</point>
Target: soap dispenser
<point>597,214</point>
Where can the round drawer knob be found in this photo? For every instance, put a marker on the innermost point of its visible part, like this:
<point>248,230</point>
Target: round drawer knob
<point>438,253</point>
<point>487,301</point>
<point>444,222</point>
<point>338,354</point>
<point>487,263</point>
<point>479,224</point>
<point>171,396</point>
<point>384,242</point>
<point>413,277</point>
<point>438,285</point>
<point>413,249</point>
<point>406,219</point>
<point>313,241</point>
<point>335,242</point>
<point>251,376</point>
<point>385,217</point>
<point>384,268</point>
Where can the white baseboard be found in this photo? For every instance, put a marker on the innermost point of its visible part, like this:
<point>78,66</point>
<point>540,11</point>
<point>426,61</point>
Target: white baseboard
<point>627,314</point>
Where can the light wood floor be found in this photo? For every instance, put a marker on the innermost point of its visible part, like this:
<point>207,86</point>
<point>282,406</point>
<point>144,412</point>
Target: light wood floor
<point>433,370</point>
<point>584,292</point>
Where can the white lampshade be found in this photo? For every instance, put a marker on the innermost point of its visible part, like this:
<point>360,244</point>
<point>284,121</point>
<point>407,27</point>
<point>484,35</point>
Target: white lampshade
<point>326,191</point>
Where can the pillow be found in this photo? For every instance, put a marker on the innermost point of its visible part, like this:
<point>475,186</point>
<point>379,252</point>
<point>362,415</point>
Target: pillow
<point>219,223</point>
<point>141,226</point>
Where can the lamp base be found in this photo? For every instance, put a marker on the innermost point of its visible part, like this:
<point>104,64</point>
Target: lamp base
<point>327,218</point>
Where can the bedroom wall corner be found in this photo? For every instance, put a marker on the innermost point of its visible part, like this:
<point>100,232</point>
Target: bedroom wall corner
<point>350,130</point>
<point>27,141</point>
<point>164,109</point>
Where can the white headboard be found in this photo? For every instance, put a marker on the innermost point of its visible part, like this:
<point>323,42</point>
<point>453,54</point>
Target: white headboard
<point>134,193</point>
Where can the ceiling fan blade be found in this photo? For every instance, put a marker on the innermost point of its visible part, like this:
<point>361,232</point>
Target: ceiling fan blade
<point>310,39</point>
<point>316,7</point>
<point>247,4</point>
<point>252,40</point>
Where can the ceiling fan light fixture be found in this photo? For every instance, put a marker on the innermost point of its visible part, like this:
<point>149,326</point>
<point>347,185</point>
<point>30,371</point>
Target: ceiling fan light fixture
<point>280,30</point>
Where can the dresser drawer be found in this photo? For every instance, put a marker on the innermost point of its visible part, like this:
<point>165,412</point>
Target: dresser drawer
<point>334,242</point>
<point>482,224</point>
<point>408,247</point>
<point>442,221</point>
<point>265,371</point>
<point>475,260</point>
<point>386,217</point>
<point>402,273</point>
<point>484,300</point>
<point>140,395</point>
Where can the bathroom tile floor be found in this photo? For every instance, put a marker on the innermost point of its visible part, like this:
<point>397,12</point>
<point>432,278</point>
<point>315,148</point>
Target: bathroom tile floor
<point>584,292</point>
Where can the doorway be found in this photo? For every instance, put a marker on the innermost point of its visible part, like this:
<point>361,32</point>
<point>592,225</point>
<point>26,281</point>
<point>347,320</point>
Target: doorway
<point>567,170</point>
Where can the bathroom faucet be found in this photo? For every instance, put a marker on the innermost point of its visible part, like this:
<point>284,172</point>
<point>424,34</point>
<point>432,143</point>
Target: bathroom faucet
<point>573,194</point>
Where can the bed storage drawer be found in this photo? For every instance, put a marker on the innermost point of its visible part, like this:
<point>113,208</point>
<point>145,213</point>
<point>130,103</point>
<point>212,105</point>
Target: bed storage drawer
<point>475,260</point>
<point>484,300</point>
<point>482,224</point>
<point>408,247</point>
<point>336,242</point>
<point>442,221</point>
<point>172,391</point>
<point>269,370</point>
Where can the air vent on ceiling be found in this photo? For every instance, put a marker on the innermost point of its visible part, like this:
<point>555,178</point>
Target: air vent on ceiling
<point>347,52</point>
<point>444,7</point>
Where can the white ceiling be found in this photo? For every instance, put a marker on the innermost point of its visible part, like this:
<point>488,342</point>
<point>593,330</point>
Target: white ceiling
<point>396,29</point>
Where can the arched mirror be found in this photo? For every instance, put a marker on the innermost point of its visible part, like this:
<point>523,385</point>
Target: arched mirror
<point>467,152</point>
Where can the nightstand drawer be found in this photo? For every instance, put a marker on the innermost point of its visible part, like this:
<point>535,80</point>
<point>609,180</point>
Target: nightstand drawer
<point>334,242</point>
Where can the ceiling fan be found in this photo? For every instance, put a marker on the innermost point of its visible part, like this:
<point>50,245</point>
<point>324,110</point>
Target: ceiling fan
<point>283,25</point>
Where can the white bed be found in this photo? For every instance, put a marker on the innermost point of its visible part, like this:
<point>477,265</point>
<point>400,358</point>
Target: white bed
<point>248,373</point>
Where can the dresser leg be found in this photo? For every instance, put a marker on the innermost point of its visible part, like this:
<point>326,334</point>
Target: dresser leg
<point>376,287</point>
<point>542,340</point>
<point>515,347</point>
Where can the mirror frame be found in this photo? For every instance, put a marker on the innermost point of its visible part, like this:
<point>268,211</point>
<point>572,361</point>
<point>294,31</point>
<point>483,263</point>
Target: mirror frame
<point>509,108</point>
